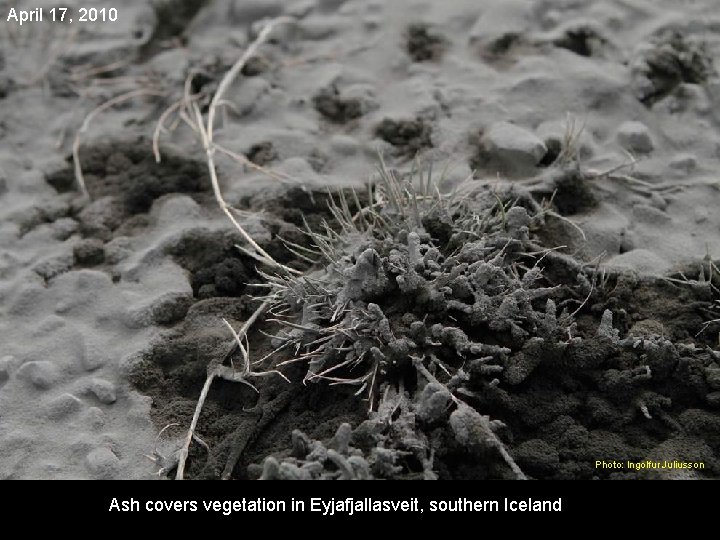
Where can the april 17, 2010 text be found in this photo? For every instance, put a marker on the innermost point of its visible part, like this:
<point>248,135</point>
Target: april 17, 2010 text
<point>61,15</point>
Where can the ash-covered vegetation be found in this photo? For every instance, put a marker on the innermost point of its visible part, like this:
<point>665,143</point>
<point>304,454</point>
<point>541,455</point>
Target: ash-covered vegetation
<point>479,354</point>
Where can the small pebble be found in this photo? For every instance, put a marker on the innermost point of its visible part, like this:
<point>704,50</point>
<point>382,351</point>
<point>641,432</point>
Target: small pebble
<point>320,27</point>
<point>513,144</point>
<point>103,463</point>
<point>42,374</point>
<point>650,214</point>
<point>64,228</point>
<point>94,360</point>
<point>94,417</point>
<point>53,266</point>
<point>104,391</point>
<point>118,249</point>
<point>89,252</point>
<point>635,137</point>
<point>169,308</point>
<point>177,208</point>
<point>28,299</point>
<point>344,145</point>
<point>62,406</point>
<point>684,162</point>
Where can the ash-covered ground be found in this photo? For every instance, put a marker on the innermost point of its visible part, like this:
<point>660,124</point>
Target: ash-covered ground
<point>486,243</point>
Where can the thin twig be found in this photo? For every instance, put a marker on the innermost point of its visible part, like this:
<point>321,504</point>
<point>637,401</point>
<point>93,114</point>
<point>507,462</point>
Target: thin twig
<point>275,175</point>
<point>210,152</point>
<point>234,71</point>
<point>182,457</point>
<point>217,372</point>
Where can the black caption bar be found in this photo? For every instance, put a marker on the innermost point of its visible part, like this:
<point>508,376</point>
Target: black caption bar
<point>197,502</point>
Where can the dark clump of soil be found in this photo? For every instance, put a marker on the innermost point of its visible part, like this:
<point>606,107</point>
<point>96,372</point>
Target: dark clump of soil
<point>297,207</point>
<point>173,17</point>
<point>680,310</point>
<point>219,269</point>
<point>216,266</point>
<point>573,194</point>
<point>582,40</point>
<point>178,176</point>
<point>336,108</point>
<point>201,80</point>
<point>672,61</point>
<point>262,153</point>
<point>408,136</point>
<point>554,148</point>
<point>423,44</point>
<point>256,65</point>
<point>128,172</point>
<point>505,50</point>
<point>503,45</point>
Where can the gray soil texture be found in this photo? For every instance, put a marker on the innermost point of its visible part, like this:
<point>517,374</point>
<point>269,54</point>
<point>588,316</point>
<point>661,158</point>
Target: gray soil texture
<point>494,230</point>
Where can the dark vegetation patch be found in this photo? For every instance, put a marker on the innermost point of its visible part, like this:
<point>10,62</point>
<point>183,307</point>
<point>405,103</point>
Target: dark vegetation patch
<point>673,59</point>
<point>407,136</point>
<point>335,107</point>
<point>424,44</point>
